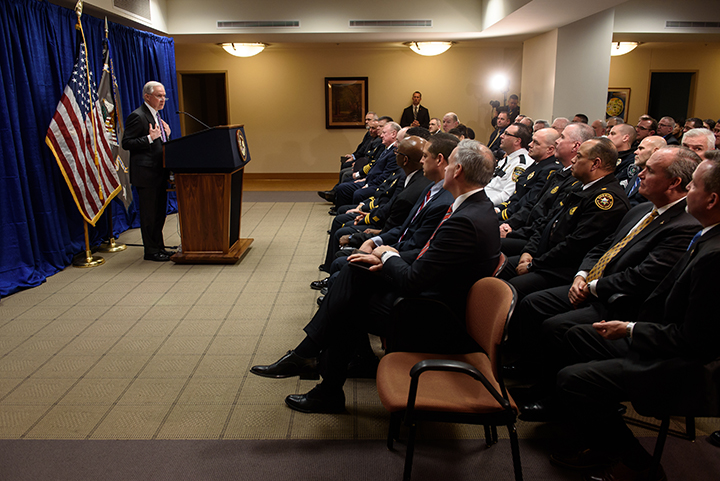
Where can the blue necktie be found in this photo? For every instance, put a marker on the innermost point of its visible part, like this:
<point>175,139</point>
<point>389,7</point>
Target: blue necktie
<point>694,240</point>
<point>162,129</point>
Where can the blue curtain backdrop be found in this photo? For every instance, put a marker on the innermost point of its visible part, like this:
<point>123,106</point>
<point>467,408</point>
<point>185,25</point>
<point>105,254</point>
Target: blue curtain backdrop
<point>40,226</point>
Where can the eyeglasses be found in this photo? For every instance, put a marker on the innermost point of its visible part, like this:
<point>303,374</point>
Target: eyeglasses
<point>640,127</point>
<point>506,133</point>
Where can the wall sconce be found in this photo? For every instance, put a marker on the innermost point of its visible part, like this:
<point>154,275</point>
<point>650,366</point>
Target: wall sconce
<point>429,49</point>
<point>621,48</point>
<point>243,49</point>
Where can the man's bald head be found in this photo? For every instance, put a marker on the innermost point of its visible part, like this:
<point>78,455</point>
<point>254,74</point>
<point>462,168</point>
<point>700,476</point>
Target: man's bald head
<point>647,147</point>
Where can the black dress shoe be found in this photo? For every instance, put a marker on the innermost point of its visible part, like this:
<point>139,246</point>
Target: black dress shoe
<point>322,268</point>
<point>324,291</point>
<point>714,439</point>
<point>287,366</point>
<point>540,411</point>
<point>320,300</point>
<point>157,257</point>
<point>333,211</point>
<point>328,195</point>
<point>318,285</point>
<point>167,252</point>
<point>582,460</point>
<point>363,367</point>
<point>318,400</point>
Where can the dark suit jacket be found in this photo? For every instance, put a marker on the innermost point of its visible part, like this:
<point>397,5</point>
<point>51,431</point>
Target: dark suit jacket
<point>648,257</point>
<point>423,117</point>
<point>528,186</point>
<point>674,359</point>
<point>421,228</point>
<point>394,213</point>
<point>583,220</point>
<point>558,186</point>
<point>146,162</point>
<point>634,195</point>
<point>464,249</point>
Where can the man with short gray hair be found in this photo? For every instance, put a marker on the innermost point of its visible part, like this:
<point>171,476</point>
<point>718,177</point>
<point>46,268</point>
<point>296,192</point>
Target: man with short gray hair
<point>699,141</point>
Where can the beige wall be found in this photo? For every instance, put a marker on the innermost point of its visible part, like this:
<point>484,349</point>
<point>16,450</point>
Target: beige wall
<point>279,94</point>
<point>633,70</point>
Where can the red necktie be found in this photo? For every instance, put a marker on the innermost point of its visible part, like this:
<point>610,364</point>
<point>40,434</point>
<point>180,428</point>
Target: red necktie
<point>427,245</point>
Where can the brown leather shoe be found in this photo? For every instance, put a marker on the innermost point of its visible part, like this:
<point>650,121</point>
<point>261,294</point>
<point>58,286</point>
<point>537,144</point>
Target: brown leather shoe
<point>620,472</point>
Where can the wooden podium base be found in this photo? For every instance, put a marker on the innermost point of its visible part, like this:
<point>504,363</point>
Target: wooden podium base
<point>235,253</point>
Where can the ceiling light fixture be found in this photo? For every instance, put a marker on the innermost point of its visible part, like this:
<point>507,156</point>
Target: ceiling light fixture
<point>621,48</point>
<point>429,49</point>
<point>243,49</point>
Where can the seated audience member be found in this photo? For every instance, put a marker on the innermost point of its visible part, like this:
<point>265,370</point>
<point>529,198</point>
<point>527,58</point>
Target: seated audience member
<point>699,141</point>
<point>623,137</point>
<point>541,124</point>
<point>560,123</point>
<point>581,118</point>
<point>716,131</point>
<point>378,215</point>
<point>450,121</point>
<point>526,121</point>
<point>709,124</point>
<point>353,192</point>
<point>654,360</point>
<point>612,122</point>
<point>502,123</point>
<point>435,125</point>
<point>460,132</point>
<point>367,138</point>
<point>518,229</point>
<point>665,128</point>
<point>645,127</point>
<point>599,127</point>
<point>425,215</point>
<point>633,260</point>
<point>514,141</point>
<point>532,181</point>
<point>552,255</point>
<point>364,157</point>
<point>464,248</point>
<point>648,146</point>
<point>692,123</point>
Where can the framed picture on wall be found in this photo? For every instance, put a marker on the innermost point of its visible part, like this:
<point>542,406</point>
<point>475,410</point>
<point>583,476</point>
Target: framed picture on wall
<point>346,102</point>
<point>617,103</point>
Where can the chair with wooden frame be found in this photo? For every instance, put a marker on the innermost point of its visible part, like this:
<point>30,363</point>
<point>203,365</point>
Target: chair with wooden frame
<point>464,388</point>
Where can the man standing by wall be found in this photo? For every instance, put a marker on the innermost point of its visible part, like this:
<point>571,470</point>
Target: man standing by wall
<point>145,133</point>
<point>415,115</point>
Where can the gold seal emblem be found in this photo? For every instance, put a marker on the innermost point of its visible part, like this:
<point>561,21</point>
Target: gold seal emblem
<point>555,189</point>
<point>517,172</point>
<point>531,175</point>
<point>604,201</point>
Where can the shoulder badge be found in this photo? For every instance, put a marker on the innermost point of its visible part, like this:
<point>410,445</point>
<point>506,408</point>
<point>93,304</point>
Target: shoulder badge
<point>604,201</point>
<point>632,170</point>
<point>517,172</point>
<point>555,189</point>
<point>572,210</point>
<point>531,175</point>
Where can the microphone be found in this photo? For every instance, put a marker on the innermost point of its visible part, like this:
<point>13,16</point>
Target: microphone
<point>195,119</point>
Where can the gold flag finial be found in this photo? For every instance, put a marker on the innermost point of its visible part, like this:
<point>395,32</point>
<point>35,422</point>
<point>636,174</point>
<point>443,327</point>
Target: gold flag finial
<point>78,8</point>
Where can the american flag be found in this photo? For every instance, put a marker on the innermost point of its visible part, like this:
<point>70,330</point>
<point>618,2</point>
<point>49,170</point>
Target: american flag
<point>75,135</point>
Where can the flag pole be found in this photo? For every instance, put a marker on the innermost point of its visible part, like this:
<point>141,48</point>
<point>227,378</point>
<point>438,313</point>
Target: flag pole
<point>110,245</point>
<point>89,260</point>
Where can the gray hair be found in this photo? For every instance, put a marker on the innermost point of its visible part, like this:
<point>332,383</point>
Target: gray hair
<point>683,164</point>
<point>708,135</point>
<point>149,87</point>
<point>396,127</point>
<point>580,132</point>
<point>477,161</point>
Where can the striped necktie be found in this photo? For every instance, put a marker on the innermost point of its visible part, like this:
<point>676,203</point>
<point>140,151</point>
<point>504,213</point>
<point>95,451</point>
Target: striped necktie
<point>427,244</point>
<point>162,129</point>
<point>597,271</point>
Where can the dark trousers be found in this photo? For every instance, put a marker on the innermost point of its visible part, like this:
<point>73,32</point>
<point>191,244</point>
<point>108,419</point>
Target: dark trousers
<point>152,206</point>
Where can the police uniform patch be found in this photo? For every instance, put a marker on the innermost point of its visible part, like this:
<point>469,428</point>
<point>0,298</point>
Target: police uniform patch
<point>604,201</point>
<point>555,189</point>
<point>517,172</point>
<point>531,175</point>
<point>572,211</point>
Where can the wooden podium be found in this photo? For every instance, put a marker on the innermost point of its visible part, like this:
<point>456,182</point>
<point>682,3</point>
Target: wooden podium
<point>208,168</point>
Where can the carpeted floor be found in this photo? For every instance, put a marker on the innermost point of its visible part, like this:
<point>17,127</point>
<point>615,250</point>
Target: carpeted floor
<point>139,370</point>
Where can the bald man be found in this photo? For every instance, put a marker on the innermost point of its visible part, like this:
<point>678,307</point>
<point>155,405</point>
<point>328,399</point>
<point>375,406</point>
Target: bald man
<point>623,136</point>
<point>647,147</point>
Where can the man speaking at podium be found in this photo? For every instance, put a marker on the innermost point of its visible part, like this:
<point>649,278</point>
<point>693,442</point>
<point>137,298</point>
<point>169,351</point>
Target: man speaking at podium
<point>145,133</point>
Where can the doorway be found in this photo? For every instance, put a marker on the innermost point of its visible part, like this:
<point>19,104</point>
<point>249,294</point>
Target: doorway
<point>204,95</point>
<point>672,94</point>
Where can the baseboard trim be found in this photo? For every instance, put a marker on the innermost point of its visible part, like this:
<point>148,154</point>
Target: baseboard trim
<point>292,176</point>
